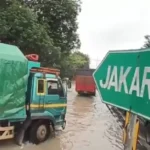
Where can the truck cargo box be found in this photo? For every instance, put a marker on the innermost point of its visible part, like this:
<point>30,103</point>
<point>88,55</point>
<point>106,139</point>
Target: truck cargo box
<point>85,72</point>
<point>84,82</point>
<point>13,82</point>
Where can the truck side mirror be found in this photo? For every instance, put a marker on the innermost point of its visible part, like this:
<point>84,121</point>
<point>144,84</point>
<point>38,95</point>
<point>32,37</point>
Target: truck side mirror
<point>69,84</point>
<point>61,93</point>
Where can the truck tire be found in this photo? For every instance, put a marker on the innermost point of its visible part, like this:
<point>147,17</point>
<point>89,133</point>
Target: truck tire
<point>39,132</point>
<point>94,94</point>
<point>79,93</point>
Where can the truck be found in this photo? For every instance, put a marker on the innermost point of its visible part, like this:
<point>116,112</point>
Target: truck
<point>84,82</point>
<point>33,100</point>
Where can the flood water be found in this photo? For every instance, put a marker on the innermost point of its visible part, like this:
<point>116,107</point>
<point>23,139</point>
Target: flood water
<point>90,125</point>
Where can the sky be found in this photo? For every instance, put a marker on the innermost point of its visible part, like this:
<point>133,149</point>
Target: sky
<point>112,25</point>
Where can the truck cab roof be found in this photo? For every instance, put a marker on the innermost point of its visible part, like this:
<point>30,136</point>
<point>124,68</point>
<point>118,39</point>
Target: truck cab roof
<point>48,76</point>
<point>45,72</point>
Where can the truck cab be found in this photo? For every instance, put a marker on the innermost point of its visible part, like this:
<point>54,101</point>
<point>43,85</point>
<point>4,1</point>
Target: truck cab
<point>47,96</point>
<point>46,102</point>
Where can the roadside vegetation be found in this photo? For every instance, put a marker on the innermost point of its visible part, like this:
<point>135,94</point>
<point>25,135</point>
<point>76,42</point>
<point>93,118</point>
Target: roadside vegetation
<point>47,28</point>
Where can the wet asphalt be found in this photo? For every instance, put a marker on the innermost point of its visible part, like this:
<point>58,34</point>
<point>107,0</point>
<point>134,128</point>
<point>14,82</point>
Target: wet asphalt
<point>90,125</point>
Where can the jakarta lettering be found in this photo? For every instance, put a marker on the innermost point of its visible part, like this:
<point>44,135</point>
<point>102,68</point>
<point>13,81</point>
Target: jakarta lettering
<point>118,82</point>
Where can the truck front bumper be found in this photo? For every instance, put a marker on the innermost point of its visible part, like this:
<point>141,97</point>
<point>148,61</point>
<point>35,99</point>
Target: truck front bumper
<point>60,123</point>
<point>7,132</point>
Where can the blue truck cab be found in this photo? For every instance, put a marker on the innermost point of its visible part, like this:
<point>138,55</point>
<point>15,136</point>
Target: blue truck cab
<point>47,97</point>
<point>46,102</point>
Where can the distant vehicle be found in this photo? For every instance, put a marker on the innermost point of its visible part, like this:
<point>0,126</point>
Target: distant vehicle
<point>84,82</point>
<point>32,98</point>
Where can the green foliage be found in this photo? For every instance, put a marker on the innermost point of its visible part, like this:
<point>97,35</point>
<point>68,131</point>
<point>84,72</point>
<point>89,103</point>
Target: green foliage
<point>45,27</point>
<point>60,17</point>
<point>19,26</point>
<point>5,3</point>
<point>79,60</point>
<point>76,60</point>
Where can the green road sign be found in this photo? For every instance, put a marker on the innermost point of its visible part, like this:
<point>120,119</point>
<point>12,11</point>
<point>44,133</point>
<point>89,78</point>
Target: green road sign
<point>123,80</point>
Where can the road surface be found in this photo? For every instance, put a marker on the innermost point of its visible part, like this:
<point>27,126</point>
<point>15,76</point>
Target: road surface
<point>90,125</point>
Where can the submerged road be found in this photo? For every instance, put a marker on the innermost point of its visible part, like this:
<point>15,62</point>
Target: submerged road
<point>90,125</point>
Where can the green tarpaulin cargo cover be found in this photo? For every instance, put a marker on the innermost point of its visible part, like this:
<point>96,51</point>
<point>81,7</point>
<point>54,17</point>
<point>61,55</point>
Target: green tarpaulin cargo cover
<point>13,82</point>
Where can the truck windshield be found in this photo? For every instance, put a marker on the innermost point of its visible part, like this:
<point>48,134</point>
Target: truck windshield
<point>55,87</point>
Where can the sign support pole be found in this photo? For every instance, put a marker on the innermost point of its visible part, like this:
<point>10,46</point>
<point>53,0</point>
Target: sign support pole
<point>130,132</point>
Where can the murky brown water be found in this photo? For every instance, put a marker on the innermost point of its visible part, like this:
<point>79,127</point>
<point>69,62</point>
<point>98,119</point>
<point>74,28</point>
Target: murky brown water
<point>90,125</point>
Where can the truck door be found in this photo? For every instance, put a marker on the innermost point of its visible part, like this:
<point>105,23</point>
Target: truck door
<point>55,100</point>
<point>41,92</point>
<point>38,92</point>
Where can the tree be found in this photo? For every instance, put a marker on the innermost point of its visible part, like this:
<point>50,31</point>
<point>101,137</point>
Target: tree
<point>79,59</point>
<point>19,26</point>
<point>44,27</point>
<point>147,42</point>
<point>60,17</point>
<point>4,3</point>
<point>76,60</point>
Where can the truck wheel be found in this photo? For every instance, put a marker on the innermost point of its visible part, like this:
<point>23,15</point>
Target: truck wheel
<point>39,132</point>
<point>79,93</point>
<point>94,94</point>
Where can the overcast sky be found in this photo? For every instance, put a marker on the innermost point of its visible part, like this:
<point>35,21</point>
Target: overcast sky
<point>112,25</point>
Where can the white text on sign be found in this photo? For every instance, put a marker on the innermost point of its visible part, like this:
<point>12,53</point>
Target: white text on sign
<point>118,82</point>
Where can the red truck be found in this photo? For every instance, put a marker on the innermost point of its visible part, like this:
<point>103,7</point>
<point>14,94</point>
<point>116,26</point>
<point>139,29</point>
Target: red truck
<point>84,82</point>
